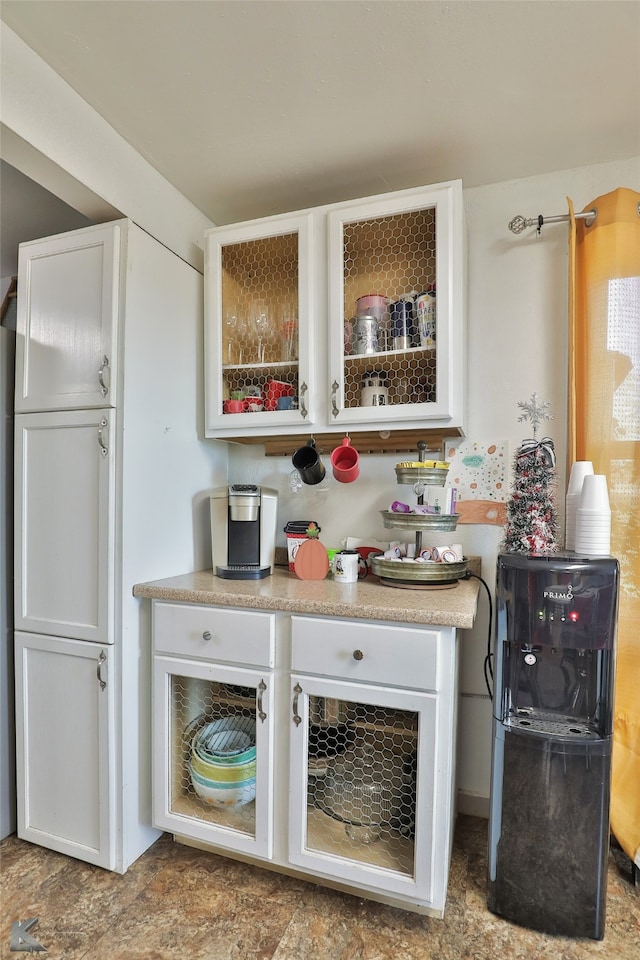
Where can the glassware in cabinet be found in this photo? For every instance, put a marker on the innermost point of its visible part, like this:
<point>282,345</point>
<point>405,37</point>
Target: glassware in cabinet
<point>257,313</point>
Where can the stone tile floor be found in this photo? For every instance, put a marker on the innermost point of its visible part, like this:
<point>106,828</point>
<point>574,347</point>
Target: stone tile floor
<point>178,903</point>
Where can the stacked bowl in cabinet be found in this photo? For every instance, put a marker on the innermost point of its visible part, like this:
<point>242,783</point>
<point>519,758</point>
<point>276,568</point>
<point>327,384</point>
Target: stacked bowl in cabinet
<point>222,763</point>
<point>417,572</point>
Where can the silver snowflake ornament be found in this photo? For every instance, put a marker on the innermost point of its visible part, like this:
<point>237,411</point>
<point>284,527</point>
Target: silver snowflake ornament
<point>535,411</point>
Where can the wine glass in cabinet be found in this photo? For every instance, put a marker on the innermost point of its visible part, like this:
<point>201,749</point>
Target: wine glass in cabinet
<point>258,338</point>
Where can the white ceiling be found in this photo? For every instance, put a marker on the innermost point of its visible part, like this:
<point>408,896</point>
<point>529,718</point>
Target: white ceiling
<point>254,108</point>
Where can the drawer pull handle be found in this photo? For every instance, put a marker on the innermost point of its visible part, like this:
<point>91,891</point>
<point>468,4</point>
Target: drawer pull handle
<point>104,389</point>
<point>101,660</point>
<point>206,635</point>
<point>261,689</point>
<point>297,719</point>
<point>104,423</point>
<point>303,407</point>
<point>335,386</point>
<point>358,655</point>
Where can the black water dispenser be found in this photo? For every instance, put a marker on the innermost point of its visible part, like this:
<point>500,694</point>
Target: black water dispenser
<point>552,741</point>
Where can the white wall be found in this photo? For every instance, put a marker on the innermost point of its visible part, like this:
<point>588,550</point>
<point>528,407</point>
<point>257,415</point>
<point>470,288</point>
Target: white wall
<point>517,344</point>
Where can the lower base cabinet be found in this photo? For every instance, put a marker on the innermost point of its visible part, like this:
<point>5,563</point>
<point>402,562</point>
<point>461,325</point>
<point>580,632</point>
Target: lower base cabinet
<point>351,780</point>
<point>65,752</point>
<point>196,697</point>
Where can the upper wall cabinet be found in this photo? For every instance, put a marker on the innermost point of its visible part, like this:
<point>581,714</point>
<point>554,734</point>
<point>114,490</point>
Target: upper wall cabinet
<point>348,316</point>
<point>259,332</point>
<point>67,321</point>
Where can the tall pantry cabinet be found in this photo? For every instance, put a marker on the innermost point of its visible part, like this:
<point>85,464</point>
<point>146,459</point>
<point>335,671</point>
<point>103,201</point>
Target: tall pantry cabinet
<point>108,473</point>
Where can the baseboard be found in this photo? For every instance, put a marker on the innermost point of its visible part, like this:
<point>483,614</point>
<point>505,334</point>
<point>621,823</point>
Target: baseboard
<point>473,805</point>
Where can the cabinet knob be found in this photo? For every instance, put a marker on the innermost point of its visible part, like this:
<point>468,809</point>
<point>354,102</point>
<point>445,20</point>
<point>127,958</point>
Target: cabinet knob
<point>358,655</point>
<point>206,635</point>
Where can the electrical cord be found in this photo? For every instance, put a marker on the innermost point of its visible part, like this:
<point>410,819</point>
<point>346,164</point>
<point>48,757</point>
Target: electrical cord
<point>487,665</point>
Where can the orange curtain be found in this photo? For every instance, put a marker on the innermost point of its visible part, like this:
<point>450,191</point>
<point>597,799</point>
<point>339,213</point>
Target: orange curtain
<point>604,427</point>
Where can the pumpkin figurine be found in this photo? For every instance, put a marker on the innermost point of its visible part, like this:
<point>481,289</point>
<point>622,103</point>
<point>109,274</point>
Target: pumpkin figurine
<point>312,560</point>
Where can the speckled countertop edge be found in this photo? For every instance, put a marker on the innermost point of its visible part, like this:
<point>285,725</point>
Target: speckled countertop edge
<point>368,599</point>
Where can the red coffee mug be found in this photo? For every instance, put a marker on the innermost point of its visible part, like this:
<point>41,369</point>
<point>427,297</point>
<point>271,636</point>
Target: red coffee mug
<point>366,552</point>
<point>274,390</point>
<point>345,462</point>
<point>234,406</point>
<point>278,388</point>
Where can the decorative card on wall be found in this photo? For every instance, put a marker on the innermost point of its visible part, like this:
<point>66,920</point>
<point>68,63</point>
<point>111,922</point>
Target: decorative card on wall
<point>478,469</point>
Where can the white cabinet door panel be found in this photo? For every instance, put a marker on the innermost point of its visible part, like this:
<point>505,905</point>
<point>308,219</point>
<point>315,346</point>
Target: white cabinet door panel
<point>64,502</point>
<point>188,694</point>
<point>64,702</point>
<point>246,265</point>
<point>67,321</point>
<point>386,725</point>
<point>397,257</point>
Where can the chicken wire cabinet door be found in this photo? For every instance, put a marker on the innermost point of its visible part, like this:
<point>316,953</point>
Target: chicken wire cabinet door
<point>66,356</point>
<point>213,754</point>
<point>396,314</point>
<point>65,746</point>
<point>362,779</point>
<point>259,340</point>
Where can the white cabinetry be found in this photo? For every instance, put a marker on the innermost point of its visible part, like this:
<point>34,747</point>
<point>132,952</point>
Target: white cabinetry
<point>312,269</point>
<point>355,736</point>
<point>65,742</point>
<point>64,472</point>
<point>400,242</point>
<point>99,504</point>
<point>259,325</point>
<point>190,692</point>
<point>66,354</point>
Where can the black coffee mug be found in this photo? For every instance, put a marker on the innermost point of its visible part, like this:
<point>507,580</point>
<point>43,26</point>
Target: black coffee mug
<point>307,462</point>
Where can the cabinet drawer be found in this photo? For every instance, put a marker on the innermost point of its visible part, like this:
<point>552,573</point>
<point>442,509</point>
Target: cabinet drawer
<point>214,633</point>
<point>367,652</point>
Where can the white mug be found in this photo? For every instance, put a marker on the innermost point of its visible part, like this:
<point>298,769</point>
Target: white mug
<point>345,566</point>
<point>374,396</point>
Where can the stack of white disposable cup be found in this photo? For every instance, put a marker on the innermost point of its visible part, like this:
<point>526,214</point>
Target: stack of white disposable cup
<point>579,470</point>
<point>593,517</point>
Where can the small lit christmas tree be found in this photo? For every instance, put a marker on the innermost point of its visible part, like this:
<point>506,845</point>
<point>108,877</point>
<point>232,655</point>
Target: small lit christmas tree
<point>532,522</point>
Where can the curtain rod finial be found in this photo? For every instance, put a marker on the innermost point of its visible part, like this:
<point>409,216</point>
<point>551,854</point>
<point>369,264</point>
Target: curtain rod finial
<point>518,224</point>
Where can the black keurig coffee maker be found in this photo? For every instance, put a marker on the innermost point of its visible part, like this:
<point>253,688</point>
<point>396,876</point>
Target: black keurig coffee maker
<point>552,741</point>
<point>243,531</point>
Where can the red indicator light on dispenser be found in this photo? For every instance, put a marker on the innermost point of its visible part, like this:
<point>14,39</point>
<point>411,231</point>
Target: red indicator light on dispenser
<point>574,616</point>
